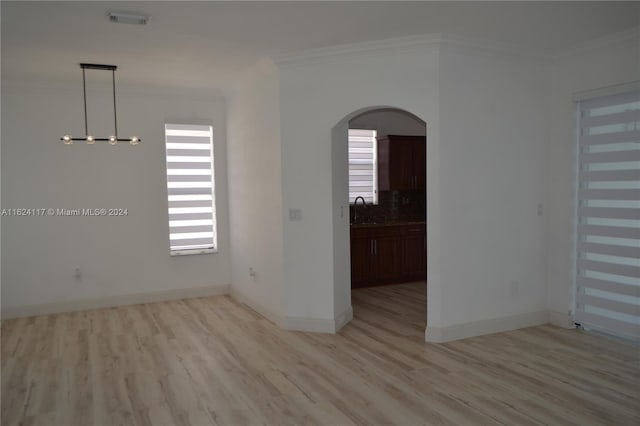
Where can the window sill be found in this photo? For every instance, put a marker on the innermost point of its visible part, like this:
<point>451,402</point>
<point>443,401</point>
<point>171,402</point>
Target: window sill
<point>192,251</point>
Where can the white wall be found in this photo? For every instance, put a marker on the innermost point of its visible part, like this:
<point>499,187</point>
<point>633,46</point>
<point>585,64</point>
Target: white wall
<point>389,122</point>
<point>493,137</point>
<point>486,116</point>
<point>117,256</point>
<point>611,61</point>
<point>499,141</point>
<point>255,189</point>
<point>341,232</point>
<point>315,96</point>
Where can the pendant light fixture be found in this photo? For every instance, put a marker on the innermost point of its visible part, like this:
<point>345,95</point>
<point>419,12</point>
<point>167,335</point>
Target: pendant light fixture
<point>89,138</point>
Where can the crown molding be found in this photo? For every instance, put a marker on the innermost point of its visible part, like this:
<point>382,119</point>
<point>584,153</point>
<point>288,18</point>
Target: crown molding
<point>411,43</point>
<point>631,34</point>
<point>480,47</point>
<point>349,51</point>
<point>438,41</point>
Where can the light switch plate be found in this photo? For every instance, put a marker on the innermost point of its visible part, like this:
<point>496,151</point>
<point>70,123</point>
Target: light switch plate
<point>295,215</point>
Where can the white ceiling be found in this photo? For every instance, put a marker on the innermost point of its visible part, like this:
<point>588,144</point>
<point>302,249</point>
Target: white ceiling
<point>206,44</point>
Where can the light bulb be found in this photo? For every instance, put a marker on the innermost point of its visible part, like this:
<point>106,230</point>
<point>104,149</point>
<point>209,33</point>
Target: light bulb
<point>113,140</point>
<point>67,139</point>
<point>90,140</point>
<point>135,140</point>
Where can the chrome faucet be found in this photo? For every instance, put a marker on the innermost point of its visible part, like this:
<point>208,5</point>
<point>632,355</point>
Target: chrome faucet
<point>355,207</point>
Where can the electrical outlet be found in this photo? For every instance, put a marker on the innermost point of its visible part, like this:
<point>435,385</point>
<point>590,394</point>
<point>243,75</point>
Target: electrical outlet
<point>252,272</point>
<point>78,274</point>
<point>540,209</point>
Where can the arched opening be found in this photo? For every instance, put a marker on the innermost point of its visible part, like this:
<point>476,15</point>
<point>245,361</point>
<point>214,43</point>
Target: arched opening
<point>387,259</point>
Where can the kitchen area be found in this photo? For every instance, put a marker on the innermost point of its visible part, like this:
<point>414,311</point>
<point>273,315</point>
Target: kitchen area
<point>387,199</point>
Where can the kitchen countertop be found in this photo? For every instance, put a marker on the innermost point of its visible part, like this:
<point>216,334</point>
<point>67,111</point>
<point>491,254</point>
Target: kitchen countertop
<point>390,223</point>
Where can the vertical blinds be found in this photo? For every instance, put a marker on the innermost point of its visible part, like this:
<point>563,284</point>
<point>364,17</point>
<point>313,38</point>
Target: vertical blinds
<point>190,187</point>
<point>608,234</point>
<point>363,165</point>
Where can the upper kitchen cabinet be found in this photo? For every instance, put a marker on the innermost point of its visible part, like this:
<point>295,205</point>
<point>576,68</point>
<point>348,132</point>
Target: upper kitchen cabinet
<point>402,163</point>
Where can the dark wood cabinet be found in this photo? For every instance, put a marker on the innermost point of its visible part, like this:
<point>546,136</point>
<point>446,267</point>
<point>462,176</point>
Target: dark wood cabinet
<point>386,262</point>
<point>387,254</point>
<point>375,256</point>
<point>361,248</point>
<point>414,259</point>
<point>419,152</point>
<point>402,163</point>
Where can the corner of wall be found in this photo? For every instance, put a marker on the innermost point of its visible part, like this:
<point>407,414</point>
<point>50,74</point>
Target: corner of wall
<point>318,325</point>
<point>255,190</point>
<point>559,319</point>
<point>343,319</point>
<point>266,312</point>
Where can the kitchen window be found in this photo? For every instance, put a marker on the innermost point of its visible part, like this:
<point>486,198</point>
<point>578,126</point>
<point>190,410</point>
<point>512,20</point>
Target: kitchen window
<point>191,189</point>
<point>363,165</point>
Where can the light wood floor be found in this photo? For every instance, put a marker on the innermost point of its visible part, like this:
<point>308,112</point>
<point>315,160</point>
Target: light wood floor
<point>213,361</point>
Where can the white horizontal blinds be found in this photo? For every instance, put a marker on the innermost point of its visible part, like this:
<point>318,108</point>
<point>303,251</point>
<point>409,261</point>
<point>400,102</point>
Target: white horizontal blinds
<point>190,187</point>
<point>608,247</point>
<point>363,165</point>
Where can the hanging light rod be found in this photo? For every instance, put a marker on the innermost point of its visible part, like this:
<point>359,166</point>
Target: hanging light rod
<point>90,139</point>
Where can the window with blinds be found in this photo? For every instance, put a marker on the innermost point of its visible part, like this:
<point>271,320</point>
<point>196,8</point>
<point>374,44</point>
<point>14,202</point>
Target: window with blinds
<point>190,189</point>
<point>608,234</point>
<point>363,165</point>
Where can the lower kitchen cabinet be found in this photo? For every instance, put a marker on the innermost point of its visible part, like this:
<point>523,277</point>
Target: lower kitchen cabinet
<point>387,254</point>
<point>414,259</point>
<point>385,263</point>
<point>361,249</point>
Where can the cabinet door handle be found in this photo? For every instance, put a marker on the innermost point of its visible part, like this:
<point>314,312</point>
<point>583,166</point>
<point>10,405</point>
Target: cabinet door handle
<point>375,246</point>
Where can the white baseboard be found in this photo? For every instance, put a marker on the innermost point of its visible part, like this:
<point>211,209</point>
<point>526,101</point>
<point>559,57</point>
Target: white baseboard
<point>113,301</point>
<point>478,328</point>
<point>319,325</point>
<point>343,319</point>
<point>313,325</point>
<point>559,319</point>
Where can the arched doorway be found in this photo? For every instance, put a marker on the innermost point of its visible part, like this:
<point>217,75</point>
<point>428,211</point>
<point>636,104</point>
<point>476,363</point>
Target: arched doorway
<point>386,120</point>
